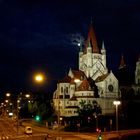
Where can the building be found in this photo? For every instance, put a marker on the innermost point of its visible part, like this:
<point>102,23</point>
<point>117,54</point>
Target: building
<point>75,88</point>
<point>130,94</point>
<point>130,88</point>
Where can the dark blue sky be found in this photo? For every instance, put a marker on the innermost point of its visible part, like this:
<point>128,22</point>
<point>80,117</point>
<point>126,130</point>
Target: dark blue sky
<point>36,35</point>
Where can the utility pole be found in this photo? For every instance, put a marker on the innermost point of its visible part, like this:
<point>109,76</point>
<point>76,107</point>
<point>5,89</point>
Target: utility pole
<point>58,118</point>
<point>116,103</point>
<point>17,117</point>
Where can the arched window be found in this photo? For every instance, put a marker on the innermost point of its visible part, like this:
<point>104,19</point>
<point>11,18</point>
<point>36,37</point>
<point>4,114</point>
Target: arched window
<point>61,89</point>
<point>66,89</point>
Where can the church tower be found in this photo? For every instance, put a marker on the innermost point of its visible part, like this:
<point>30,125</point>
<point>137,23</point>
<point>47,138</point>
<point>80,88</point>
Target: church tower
<point>92,61</point>
<point>123,74</point>
<point>103,52</point>
<point>137,71</point>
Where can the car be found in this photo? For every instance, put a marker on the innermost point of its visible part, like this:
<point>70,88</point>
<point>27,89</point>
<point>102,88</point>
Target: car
<point>28,130</point>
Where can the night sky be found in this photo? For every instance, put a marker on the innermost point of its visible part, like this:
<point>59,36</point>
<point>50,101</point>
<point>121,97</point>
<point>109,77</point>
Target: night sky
<point>42,35</point>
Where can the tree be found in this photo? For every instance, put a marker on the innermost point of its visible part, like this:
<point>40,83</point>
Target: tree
<point>88,110</point>
<point>96,108</point>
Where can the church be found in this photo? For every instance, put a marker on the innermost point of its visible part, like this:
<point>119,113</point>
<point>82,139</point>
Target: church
<point>129,86</point>
<point>75,88</point>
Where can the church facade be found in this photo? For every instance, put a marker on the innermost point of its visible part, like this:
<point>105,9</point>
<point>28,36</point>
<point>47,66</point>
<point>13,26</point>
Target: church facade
<point>75,88</point>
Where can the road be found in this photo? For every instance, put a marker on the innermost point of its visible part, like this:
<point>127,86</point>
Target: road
<point>9,131</point>
<point>6,128</point>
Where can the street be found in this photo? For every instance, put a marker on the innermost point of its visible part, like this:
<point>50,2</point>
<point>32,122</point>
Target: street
<point>9,131</point>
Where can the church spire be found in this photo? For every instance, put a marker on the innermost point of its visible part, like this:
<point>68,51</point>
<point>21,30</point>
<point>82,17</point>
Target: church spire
<point>122,62</point>
<point>92,40</point>
<point>103,45</point>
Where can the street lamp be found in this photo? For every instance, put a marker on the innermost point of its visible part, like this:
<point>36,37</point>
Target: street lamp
<point>116,103</point>
<point>39,78</point>
<point>8,94</point>
<point>18,101</point>
<point>19,98</point>
<point>27,95</point>
<point>61,120</point>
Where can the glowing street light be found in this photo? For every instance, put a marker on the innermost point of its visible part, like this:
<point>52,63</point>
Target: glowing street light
<point>6,101</point>
<point>8,94</point>
<point>27,95</point>
<point>39,78</point>
<point>116,103</point>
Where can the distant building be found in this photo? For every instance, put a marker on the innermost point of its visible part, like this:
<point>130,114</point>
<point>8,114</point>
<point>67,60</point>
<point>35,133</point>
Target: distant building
<point>70,93</point>
<point>130,88</point>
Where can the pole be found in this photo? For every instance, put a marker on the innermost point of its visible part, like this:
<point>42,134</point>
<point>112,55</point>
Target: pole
<point>116,103</point>
<point>116,117</point>
<point>97,122</point>
<point>17,116</point>
<point>17,112</point>
<point>58,119</point>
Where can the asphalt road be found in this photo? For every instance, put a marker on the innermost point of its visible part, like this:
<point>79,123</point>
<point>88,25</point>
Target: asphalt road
<point>9,131</point>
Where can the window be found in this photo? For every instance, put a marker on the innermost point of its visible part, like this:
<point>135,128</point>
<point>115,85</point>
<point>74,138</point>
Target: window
<point>75,112</point>
<point>60,96</point>
<point>66,89</point>
<point>110,88</point>
<point>67,96</point>
<point>69,112</point>
<point>61,89</point>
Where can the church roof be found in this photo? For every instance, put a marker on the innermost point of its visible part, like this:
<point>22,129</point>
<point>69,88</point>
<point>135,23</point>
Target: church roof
<point>84,86</point>
<point>101,78</point>
<point>122,63</point>
<point>66,79</point>
<point>92,40</point>
<point>78,74</point>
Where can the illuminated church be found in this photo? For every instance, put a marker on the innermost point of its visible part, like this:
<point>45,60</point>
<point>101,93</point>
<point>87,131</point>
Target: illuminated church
<point>75,88</point>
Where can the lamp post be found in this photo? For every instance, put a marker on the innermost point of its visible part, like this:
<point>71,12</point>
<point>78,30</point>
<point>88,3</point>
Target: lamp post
<point>7,101</point>
<point>116,103</point>
<point>19,98</point>
<point>18,101</point>
<point>58,117</point>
